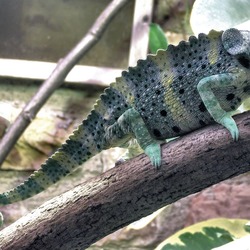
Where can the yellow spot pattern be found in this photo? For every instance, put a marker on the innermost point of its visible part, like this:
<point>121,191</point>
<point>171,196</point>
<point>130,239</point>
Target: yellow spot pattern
<point>172,101</point>
<point>213,53</point>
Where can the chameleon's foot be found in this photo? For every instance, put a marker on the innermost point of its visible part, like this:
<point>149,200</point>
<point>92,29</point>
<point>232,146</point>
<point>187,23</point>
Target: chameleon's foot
<point>154,153</point>
<point>1,220</point>
<point>228,122</point>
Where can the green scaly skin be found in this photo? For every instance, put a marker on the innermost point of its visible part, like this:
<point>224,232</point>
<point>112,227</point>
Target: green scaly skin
<point>181,89</point>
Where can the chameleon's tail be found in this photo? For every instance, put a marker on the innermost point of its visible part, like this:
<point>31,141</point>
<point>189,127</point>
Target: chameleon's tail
<point>84,143</point>
<point>89,139</point>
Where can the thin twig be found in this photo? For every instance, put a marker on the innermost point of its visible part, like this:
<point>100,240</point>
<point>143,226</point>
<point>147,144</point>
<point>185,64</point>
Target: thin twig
<point>57,77</point>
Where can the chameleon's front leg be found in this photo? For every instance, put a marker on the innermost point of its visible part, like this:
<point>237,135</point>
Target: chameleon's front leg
<point>205,88</point>
<point>131,122</point>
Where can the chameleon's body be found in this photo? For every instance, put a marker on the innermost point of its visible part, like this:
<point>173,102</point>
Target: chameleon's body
<point>177,91</point>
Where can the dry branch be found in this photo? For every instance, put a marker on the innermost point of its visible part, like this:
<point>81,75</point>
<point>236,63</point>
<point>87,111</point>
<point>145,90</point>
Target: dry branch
<point>57,77</point>
<point>132,190</point>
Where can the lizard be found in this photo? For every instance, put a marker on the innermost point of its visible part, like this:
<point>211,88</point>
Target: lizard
<point>181,89</point>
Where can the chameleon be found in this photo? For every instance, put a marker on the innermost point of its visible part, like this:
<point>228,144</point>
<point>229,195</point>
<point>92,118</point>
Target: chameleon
<point>181,89</point>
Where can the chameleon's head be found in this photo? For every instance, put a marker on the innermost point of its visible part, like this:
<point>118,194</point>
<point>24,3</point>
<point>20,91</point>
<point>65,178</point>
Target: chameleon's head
<point>237,42</point>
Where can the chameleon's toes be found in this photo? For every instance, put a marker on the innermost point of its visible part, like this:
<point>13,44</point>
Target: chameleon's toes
<point>230,124</point>
<point>156,162</point>
<point>235,134</point>
<point>154,153</point>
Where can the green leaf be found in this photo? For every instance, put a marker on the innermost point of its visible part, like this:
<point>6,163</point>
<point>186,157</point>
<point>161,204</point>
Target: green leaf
<point>1,219</point>
<point>210,238</point>
<point>157,38</point>
<point>219,15</point>
<point>206,235</point>
<point>247,227</point>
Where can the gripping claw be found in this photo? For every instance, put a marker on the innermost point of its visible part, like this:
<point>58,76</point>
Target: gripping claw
<point>228,122</point>
<point>154,153</point>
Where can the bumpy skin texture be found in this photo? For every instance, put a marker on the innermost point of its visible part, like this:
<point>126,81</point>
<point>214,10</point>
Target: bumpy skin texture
<point>177,91</point>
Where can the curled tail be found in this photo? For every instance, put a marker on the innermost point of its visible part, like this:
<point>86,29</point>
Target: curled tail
<point>85,142</point>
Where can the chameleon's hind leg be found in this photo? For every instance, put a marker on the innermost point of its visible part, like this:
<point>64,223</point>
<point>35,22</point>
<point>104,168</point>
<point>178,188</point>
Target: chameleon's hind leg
<point>205,88</point>
<point>131,123</point>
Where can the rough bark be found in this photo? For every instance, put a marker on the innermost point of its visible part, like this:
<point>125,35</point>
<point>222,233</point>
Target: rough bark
<point>132,190</point>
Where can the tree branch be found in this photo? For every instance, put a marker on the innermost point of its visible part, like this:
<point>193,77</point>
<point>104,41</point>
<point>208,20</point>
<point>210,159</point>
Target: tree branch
<point>132,190</point>
<point>56,78</point>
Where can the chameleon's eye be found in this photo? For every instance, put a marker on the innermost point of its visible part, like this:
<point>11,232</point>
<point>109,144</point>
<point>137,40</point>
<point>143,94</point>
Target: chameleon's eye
<point>236,42</point>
